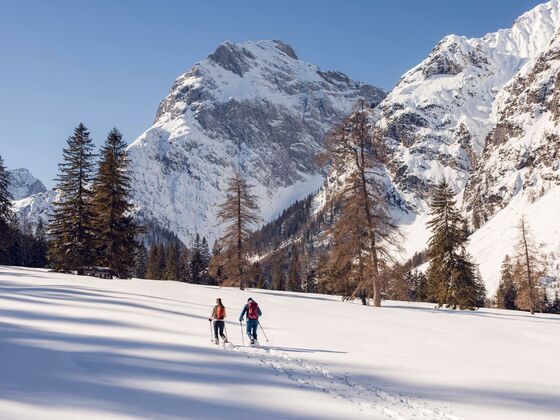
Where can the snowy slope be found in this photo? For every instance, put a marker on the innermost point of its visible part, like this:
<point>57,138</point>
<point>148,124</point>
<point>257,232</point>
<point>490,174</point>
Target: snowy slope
<point>23,184</point>
<point>253,107</point>
<point>522,153</point>
<point>76,347</point>
<point>497,237</point>
<point>35,207</point>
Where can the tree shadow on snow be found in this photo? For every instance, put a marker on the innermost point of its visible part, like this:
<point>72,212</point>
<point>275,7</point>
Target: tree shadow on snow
<point>44,369</point>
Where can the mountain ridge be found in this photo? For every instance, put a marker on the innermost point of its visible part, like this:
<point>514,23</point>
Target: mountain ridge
<point>253,107</point>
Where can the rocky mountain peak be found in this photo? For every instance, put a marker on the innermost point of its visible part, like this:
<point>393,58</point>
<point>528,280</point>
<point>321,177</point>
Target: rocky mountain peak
<point>437,119</point>
<point>231,57</point>
<point>254,107</point>
<point>23,184</point>
<point>238,58</point>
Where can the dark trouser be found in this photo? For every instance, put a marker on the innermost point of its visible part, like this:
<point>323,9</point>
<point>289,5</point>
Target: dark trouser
<point>252,325</point>
<point>219,329</point>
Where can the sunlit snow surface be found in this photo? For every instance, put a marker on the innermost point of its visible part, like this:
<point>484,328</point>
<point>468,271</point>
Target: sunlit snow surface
<point>82,348</point>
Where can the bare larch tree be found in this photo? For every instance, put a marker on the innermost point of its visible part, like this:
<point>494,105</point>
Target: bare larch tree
<point>364,236</point>
<point>238,213</point>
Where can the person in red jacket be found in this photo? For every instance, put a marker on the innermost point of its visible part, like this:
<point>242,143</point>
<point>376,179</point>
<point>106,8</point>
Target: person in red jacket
<point>218,316</point>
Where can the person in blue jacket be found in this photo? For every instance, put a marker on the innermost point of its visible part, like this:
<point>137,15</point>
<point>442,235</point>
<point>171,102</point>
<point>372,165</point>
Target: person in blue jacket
<point>253,312</point>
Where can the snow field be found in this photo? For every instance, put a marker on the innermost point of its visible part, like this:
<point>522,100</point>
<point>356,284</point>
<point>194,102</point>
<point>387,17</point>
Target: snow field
<point>79,347</point>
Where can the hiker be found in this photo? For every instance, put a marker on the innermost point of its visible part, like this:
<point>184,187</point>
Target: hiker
<point>218,316</point>
<point>253,312</point>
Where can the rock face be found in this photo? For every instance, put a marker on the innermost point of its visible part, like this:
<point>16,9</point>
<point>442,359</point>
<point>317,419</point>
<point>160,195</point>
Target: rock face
<point>253,107</point>
<point>522,153</point>
<point>437,119</point>
<point>23,184</point>
<point>35,207</point>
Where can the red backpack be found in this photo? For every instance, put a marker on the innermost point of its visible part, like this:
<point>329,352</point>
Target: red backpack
<point>220,312</point>
<point>253,310</point>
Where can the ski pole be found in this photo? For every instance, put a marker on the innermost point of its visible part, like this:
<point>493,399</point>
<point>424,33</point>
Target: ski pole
<point>211,335</point>
<point>242,338</point>
<point>262,329</point>
<point>225,332</point>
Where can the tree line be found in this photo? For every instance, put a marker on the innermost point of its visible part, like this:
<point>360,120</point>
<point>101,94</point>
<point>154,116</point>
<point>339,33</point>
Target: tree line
<point>519,286</point>
<point>174,261</point>
<point>350,248</point>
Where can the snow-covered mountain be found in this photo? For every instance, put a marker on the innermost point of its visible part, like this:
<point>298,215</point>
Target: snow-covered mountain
<point>31,201</point>
<point>484,114</point>
<point>437,118</point>
<point>23,184</point>
<point>522,152</point>
<point>253,107</point>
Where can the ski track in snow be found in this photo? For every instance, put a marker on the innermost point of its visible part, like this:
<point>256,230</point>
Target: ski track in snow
<point>365,397</point>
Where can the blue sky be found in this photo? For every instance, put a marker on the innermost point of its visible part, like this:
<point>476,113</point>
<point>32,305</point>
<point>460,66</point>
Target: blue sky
<point>109,63</point>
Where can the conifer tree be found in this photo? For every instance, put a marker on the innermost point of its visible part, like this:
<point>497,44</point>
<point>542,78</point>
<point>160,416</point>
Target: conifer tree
<point>420,288</point>
<point>451,275</point>
<point>151,266</point>
<point>238,214</point>
<point>141,262</point>
<point>24,243</point>
<point>115,230</point>
<point>6,215</point>
<point>507,291</point>
<point>277,277</point>
<point>215,266</point>
<point>156,262</point>
<point>172,262</point>
<point>199,261</point>
<point>162,258</point>
<point>294,271</point>
<point>204,251</point>
<point>400,283</point>
<point>529,296</point>
<point>347,269</point>
<point>554,307</point>
<point>184,273</point>
<point>72,245</point>
<point>481,292</point>
<point>259,281</point>
<point>310,284</point>
<point>364,236</point>
<point>39,248</point>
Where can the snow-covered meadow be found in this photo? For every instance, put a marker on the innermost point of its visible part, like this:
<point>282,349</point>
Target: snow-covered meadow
<point>77,347</point>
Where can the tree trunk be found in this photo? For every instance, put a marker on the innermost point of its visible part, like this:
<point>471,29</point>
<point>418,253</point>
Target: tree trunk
<point>528,267</point>
<point>239,233</point>
<point>371,229</point>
